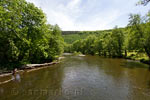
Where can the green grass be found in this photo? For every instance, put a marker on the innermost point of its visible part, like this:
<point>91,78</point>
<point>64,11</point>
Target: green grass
<point>137,56</point>
<point>76,53</point>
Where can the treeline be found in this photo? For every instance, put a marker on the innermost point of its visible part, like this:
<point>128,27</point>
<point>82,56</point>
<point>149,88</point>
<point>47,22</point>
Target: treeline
<point>25,36</point>
<point>118,42</point>
<point>69,32</point>
<point>72,36</point>
<point>99,43</point>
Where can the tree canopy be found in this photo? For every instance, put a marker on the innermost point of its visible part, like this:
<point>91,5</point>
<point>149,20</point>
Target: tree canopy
<point>25,36</point>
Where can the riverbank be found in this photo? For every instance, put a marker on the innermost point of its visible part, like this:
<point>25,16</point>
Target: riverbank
<point>135,56</point>
<point>27,68</point>
<point>141,57</point>
<point>144,61</point>
<point>74,54</point>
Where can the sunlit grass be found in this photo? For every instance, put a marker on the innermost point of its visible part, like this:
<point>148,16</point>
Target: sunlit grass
<point>137,56</point>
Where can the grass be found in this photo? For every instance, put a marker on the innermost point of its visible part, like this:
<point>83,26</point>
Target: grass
<point>142,57</point>
<point>137,56</point>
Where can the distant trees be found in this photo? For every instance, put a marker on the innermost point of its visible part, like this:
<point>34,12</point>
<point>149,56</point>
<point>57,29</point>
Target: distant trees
<point>99,46</point>
<point>118,42</point>
<point>89,45</point>
<point>86,46</point>
<point>24,35</point>
<point>108,44</point>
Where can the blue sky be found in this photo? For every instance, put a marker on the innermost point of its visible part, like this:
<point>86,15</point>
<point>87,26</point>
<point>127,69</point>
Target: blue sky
<point>89,14</point>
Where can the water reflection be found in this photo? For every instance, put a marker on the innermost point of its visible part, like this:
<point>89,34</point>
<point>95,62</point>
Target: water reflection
<point>134,64</point>
<point>82,78</point>
<point>16,77</point>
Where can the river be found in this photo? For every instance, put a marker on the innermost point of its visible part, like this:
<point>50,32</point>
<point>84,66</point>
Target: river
<point>82,78</point>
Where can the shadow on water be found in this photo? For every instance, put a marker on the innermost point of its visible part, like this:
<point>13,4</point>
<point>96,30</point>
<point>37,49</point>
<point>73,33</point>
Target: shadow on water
<point>130,64</point>
<point>149,68</point>
<point>134,64</point>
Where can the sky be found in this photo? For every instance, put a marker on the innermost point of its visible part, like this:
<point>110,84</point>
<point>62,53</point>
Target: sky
<point>89,15</point>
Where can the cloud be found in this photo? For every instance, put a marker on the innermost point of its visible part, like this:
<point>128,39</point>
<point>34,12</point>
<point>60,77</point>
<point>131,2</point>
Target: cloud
<point>73,3</point>
<point>88,14</point>
<point>61,19</point>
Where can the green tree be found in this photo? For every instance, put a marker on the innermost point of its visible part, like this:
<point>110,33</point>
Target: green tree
<point>99,45</point>
<point>90,45</point>
<point>139,34</point>
<point>56,42</point>
<point>118,40</point>
<point>24,35</point>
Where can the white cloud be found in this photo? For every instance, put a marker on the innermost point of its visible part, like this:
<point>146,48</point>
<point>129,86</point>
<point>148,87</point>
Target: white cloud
<point>61,19</point>
<point>73,3</point>
<point>88,14</point>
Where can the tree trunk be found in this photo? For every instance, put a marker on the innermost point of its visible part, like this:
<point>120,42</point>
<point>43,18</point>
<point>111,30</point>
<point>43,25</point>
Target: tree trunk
<point>99,53</point>
<point>149,59</point>
<point>147,52</point>
<point>125,53</point>
<point>104,53</point>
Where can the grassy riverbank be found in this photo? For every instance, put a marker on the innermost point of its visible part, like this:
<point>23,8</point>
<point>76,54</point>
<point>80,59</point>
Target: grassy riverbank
<point>141,57</point>
<point>138,57</point>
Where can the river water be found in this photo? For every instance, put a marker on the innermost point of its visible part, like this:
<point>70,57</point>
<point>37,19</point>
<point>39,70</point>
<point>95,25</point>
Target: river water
<point>82,78</point>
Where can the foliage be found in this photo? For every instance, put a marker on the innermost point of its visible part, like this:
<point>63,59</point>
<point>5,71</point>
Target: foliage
<point>76,53</point>
<point>24,35</point>
<point>117,42</point>
<point>140,33</point>
<point>72,36</point>
<point>102,43</point>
